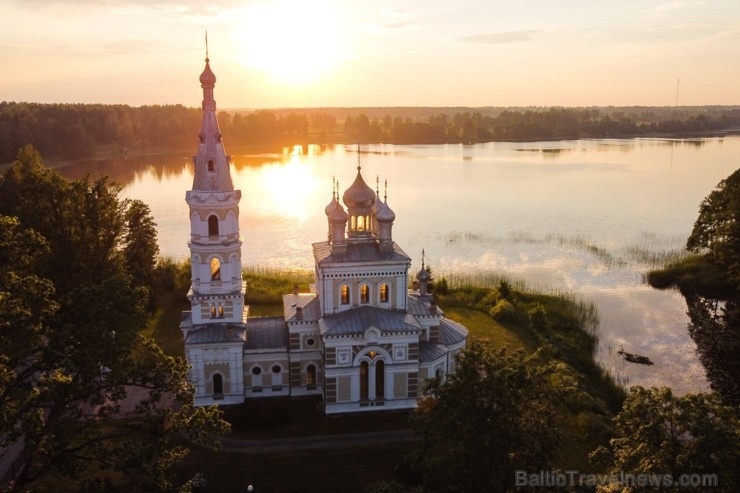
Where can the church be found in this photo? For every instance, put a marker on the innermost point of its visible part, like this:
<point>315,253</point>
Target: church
<point>362,339</point>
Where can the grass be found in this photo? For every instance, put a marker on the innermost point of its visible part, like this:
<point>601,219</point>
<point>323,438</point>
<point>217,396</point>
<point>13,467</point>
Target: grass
<point>286,418</point>
<point>483,327</point>
<point>350,469</point>
<point>695,274</point>
<point>266,286</point>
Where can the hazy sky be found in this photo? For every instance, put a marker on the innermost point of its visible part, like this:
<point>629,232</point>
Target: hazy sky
<point>297,53</point>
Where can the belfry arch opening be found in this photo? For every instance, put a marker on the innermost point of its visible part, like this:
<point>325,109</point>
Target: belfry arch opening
<point>212,226</point>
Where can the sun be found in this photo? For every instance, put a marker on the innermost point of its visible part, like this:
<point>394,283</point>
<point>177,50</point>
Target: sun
<point>293,42</point>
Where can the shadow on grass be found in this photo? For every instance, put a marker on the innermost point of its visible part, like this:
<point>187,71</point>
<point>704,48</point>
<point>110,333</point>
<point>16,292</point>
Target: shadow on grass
<point>283,417</point>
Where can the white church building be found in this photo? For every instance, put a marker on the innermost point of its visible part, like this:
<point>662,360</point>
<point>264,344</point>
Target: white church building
<point>362,340</point>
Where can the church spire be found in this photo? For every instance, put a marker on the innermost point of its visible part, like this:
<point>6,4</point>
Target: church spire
<point>211,162</point>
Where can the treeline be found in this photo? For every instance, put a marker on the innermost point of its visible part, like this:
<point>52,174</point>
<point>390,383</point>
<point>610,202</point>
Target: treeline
<point>556,123</point>
<point>73,131</point>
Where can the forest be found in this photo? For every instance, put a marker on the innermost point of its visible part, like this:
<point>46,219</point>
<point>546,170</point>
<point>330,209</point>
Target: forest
<point>74,131</point>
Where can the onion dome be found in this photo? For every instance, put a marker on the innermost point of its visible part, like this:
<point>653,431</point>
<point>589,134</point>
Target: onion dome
<point>423,275</point>
<point>207,78</point>
<point>338,215</point>
<point>332,205</point>
<point>384,213</point>
<point>359,196</point>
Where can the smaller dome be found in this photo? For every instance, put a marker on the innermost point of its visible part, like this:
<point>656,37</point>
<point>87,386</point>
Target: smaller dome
<point>331,206</point>
<point>338,215</point>
<point>207,78</point>
<point>423,275</point>
<point>359,195</point>
<point>384,213</point>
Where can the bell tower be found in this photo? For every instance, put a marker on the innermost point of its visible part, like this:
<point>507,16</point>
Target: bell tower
<point>217,289</point>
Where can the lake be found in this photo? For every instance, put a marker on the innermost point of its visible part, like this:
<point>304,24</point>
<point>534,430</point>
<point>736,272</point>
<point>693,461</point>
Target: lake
<point>586,216</point>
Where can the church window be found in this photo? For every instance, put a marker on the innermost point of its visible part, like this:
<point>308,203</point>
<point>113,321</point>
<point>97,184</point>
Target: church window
<point>365,294</point>
<point>310,342</point>
<point>277,369</point>
<point>360,223</point>
<point>256,370</point>
<point>210,165</point>
<point>353,223</point>
<point>213,312</point>
<point>220,312</point>
<point>310,375</point>
<point>212,226</point>
<point>384,293</point>
<point>364,383</point>
<point>345,295</point>
<point>218,385</point>
<point>380,380</point>
<point>215,269</point>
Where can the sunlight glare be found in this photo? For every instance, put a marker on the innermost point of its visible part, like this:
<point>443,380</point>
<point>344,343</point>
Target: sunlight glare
<point>293,42</point>
<point>288,187</point>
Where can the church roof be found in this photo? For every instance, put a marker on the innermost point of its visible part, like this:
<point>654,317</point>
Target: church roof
<point>358,252</point>
<point>357,320</point>
<point>309,304</point>
<point>267,333</point>
<point>451,332</point>
<point>430,351</point>
<point>216,334</point>
<point>421,307</point>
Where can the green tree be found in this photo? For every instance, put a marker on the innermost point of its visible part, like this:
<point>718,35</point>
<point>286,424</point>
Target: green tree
<point>140,249</point>
<point>72,362</point>
<point>493,416</point>
<point>717,229</point>
<point>661,433</point>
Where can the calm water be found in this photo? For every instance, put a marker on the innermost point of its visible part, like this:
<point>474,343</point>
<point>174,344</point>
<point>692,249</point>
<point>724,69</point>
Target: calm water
<point>580,216</point>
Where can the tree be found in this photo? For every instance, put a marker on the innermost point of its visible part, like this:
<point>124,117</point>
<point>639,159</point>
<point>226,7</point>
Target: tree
<point>491,417</point>
<point>662,434</point>
<point>140,247</point>
<point>717,229</point>
<point>73,363</point>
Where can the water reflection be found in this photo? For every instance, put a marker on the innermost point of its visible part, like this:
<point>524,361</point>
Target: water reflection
<point>714,327</point>
<point>586,216</point>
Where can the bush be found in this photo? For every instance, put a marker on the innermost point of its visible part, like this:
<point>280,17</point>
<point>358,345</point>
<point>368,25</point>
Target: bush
<point>503,311</point>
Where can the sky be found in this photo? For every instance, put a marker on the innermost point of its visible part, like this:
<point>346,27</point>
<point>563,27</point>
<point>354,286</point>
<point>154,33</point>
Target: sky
<point>312,53</point>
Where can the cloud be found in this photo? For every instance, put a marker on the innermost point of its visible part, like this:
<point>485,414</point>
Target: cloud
<point>503,37</point>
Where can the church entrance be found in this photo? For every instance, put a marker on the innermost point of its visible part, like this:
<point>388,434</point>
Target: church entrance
<point>372,381</point>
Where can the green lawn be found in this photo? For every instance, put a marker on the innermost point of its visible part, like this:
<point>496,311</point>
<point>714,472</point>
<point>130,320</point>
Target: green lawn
<point>483,327</point>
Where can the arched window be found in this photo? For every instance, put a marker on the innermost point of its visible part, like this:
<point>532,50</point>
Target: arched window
<point>218,384</point>
<point>384,293</point>
<point>365,294</point>
<point>213,312</point>
<point>212,226</point>
<point>360,223</point>
<point>310,375</point>
<point>353,223</point>
<point>210,165</point>
<point>380,380</point>
<point>364,375</point>
<point>220,312</point>
<point>215,269</point>
<point>345,295</point>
